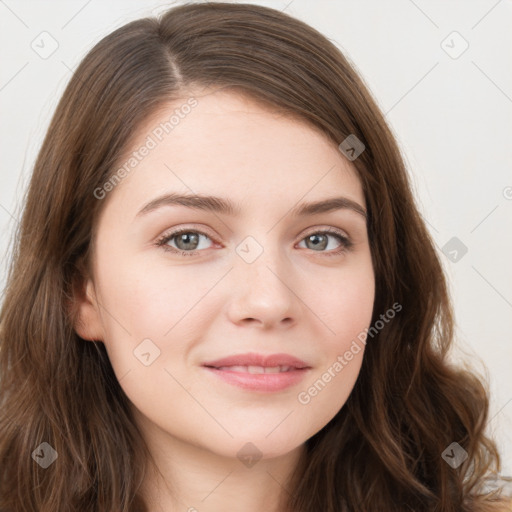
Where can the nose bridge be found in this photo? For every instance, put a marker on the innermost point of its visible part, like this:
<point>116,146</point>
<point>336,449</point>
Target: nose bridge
<point>262,275</point>
<point>260,256</point>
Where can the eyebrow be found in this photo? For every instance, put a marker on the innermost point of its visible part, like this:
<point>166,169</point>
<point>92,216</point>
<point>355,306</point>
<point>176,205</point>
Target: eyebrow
<point>227,207</point>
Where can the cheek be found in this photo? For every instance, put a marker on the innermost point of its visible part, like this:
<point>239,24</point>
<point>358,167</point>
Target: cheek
<point>326,393</point>
<point>149,300</point>
<point>345,304</point>
<point>151,316</point>
<point>152,310</point>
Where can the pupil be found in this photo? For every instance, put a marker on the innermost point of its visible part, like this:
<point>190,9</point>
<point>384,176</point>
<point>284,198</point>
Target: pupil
<point>315,240</point>
<point>186,239</point>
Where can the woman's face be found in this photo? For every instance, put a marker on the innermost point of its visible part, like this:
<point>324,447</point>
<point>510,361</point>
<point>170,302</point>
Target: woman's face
<point>258,279</point>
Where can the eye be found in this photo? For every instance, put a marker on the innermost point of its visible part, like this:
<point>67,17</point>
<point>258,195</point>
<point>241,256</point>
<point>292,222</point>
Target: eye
<point>187,241</point>
<point>319,240</point>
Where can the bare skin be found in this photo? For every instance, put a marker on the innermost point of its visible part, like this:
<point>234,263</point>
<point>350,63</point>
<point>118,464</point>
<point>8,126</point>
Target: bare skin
<point>296,297</point>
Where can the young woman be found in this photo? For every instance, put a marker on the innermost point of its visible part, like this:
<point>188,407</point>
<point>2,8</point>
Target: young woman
<point>223,296</point>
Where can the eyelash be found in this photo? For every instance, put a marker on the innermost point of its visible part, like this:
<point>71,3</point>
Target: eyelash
<point>346,243</point>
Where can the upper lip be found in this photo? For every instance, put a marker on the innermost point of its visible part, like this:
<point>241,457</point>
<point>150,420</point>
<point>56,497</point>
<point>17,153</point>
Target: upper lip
<point>253,359</point>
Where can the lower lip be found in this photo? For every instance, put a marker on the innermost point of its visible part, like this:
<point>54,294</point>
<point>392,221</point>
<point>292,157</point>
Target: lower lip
<point>268,382</point>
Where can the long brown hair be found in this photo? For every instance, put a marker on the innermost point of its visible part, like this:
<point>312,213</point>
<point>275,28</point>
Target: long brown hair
<point>383,450</point>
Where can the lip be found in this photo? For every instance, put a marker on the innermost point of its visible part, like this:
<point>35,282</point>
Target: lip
<point>253,359</point>
<point>263,382</point>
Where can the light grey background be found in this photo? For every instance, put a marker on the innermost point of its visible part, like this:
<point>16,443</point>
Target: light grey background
<point>451,111</point>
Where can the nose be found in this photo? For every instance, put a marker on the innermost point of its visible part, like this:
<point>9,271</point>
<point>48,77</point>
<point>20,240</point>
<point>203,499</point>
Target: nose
<point>262,291</point>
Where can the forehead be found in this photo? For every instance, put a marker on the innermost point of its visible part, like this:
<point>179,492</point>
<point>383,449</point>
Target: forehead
<point>227,144</point>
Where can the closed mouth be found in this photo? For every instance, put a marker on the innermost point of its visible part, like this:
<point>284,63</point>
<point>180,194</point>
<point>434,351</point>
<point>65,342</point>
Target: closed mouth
<point>256,369</point>
<point>258,363</point>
